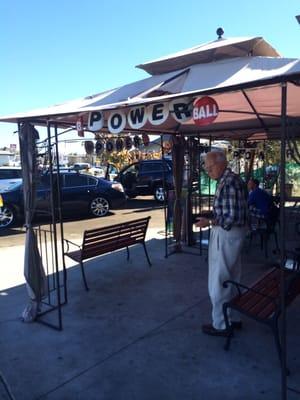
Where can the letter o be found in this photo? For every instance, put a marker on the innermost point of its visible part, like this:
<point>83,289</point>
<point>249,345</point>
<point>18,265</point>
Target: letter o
<point>116,122</point>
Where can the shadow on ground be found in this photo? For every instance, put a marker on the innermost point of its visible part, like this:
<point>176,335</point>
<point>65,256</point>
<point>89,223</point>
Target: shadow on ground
<point>137,335</point>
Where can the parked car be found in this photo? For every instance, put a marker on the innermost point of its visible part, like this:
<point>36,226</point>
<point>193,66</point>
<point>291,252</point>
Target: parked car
<point>9,176</point>
<point>147,177</point>
<point>10,173</point>
<point>79,192</point>
<point>81,166</point>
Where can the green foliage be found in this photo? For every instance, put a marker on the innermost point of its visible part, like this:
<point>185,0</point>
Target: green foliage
<point>122,158</point>
<point>293,176</point>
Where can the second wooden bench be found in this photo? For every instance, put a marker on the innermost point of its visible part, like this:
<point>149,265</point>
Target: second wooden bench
<point>262,300</point>
<point>104,240</point>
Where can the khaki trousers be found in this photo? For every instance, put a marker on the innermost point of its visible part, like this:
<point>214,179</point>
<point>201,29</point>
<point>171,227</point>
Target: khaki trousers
<point>224,262</point>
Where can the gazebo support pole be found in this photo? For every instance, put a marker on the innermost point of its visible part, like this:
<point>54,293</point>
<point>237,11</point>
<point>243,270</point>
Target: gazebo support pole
<point>264,163</point>
<point>282,239</point>
<point>60,216</point>
<point>165,197</point>
<point>53,216</point>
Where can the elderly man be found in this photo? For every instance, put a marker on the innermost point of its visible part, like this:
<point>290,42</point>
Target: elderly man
<point>228,231</point>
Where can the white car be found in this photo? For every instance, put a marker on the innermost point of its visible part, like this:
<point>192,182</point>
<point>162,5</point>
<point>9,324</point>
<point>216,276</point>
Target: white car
<point>96,171</point>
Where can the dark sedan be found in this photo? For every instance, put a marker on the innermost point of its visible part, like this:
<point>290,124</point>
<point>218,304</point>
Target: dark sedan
<point>79,192</point>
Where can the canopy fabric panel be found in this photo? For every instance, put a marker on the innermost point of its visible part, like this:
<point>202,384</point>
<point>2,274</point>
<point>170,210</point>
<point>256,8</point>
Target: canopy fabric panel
<point>209,52</point>
<point>107,99</point>
<point>247,90</point>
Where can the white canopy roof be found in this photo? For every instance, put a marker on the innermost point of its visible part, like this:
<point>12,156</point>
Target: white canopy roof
<point>247,90</point>
<point>209,52</point>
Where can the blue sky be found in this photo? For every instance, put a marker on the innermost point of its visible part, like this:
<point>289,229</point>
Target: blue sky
<point>58,50</point>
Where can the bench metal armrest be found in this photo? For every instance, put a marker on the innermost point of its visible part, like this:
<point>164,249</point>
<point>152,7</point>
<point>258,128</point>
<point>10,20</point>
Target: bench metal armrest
<point>237,285</point>
<point>68,242</point>
<point>240,286</point>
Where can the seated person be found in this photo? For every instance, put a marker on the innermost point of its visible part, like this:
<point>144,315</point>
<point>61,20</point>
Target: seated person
<point>259,202</point>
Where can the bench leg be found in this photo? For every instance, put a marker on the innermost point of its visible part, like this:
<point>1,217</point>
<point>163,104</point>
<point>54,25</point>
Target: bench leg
<point>145,249</point>
<point>250,241</point>
<point>276,242</point>
<point>266,243</point>
<point>228,327</point>
<point>261,241</point>
<point>83,276</point>
<point>127,249</point>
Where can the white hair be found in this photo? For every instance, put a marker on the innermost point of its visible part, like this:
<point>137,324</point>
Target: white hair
<point>218,156</point>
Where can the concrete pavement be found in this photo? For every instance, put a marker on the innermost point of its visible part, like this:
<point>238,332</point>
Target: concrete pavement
<point>137,335</point>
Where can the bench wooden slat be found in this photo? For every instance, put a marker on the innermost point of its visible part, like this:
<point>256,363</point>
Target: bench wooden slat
<point>259,305</point>
<point>108,243</point>
<point>117,233</point>
<point>264,304</point>
<point>125,226</point>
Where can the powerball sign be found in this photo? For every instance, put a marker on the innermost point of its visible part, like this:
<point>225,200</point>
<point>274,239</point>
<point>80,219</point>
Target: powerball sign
<point>205,111</point>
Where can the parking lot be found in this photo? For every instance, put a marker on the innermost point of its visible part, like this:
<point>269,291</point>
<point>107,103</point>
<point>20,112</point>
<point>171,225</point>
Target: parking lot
<point>75,225</point>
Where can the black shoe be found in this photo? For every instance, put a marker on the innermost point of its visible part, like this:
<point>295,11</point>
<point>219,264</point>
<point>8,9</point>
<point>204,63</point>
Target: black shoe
<point>208,329</point>
<point>236,325</point>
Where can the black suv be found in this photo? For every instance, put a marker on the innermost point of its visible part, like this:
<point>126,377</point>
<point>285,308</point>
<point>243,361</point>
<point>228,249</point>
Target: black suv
<point>79,192</point>
<point>146,177</point>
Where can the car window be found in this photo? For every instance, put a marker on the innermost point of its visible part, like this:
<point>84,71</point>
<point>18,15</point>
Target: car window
<point>154,167</point>
<point>43,181</point>
<point>134,169</point>
<point>113,170</point>
<point>74,180</point>
<point>10,173</point>
<point>92,181</point>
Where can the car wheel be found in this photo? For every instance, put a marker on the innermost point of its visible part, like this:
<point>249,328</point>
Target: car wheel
<point>7,217</point>
<point>159,194</point>
<point>99,207</point>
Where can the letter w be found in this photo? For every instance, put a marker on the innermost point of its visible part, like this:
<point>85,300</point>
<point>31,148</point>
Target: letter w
<point>137,115</point>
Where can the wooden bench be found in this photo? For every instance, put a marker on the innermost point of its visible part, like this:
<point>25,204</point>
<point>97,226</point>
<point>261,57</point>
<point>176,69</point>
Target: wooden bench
<point>107,239</point>
<point>262,302</point>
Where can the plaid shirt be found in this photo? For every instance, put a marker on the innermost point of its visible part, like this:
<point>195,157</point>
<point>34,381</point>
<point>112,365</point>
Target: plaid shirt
<point>230,203</point>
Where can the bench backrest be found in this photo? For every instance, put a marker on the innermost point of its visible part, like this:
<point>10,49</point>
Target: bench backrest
<point>263,299</point>
<point>114,237</point>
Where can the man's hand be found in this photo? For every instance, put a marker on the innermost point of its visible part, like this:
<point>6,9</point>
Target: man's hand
<point>202,222</point>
